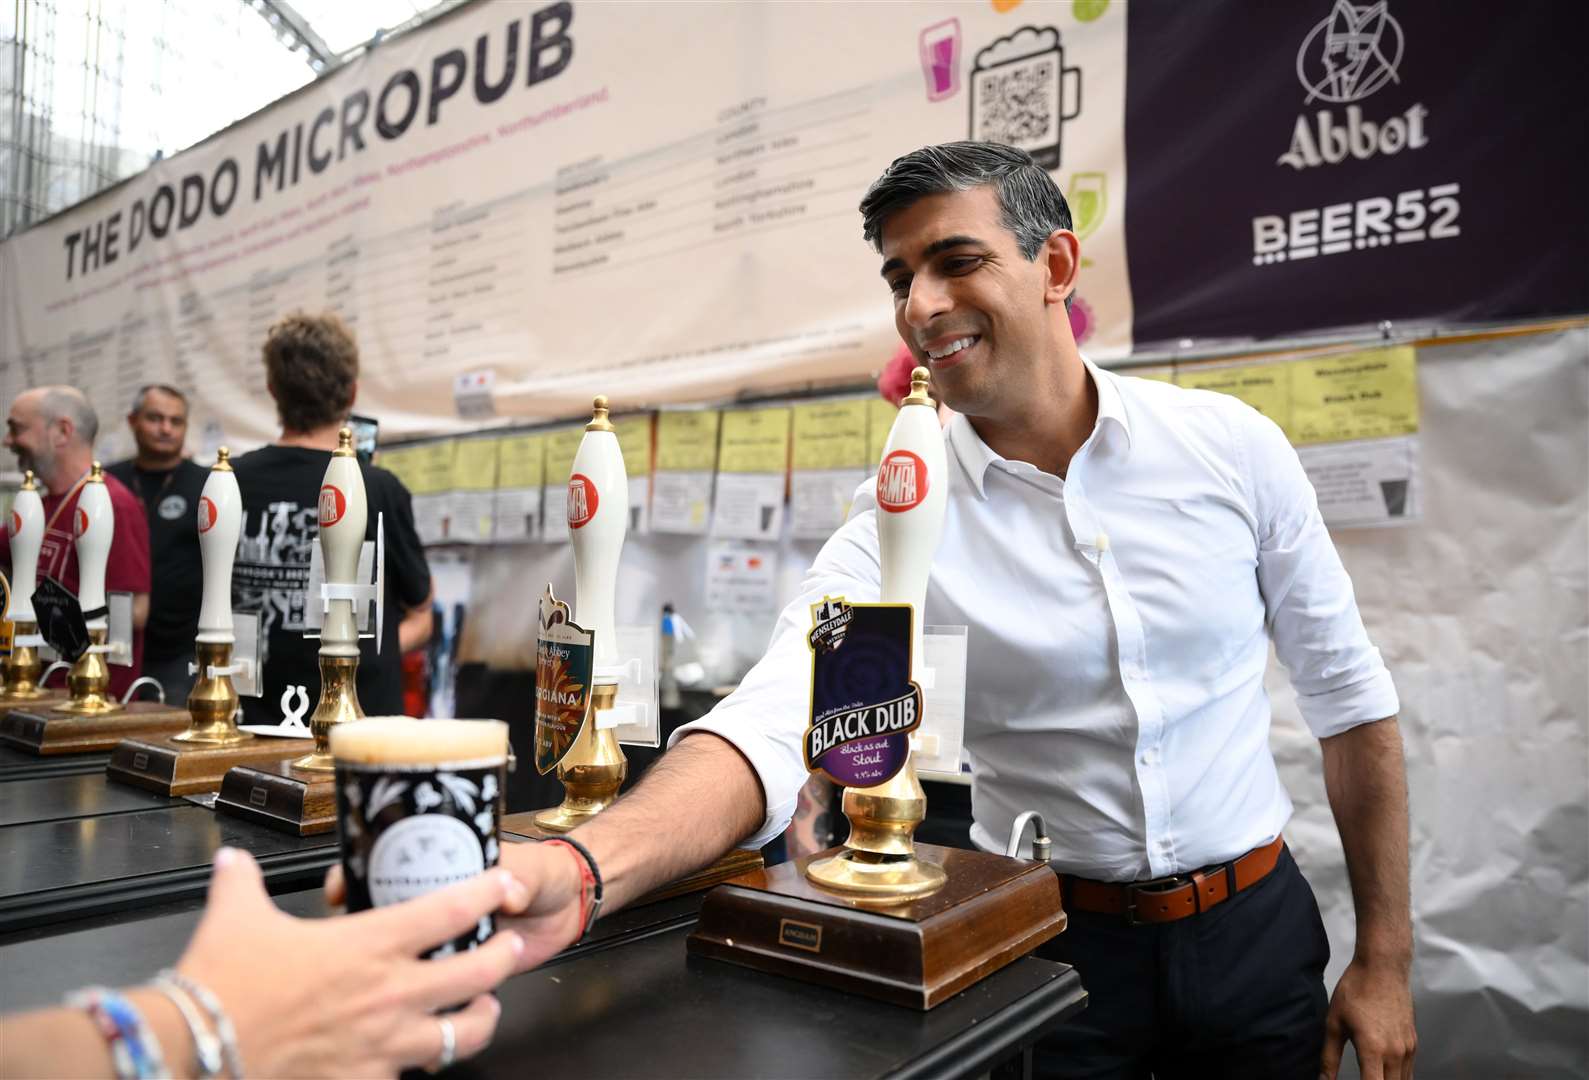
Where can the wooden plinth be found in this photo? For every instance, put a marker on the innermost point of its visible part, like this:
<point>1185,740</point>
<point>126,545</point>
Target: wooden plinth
<point>44,701</point>
<point>992,911</point>
<point>280,796</point>
<point>43,731</point>
<point>732,865</point>
<point>180,768</point>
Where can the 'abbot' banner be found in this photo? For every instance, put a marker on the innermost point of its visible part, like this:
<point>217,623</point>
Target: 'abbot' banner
<point>1318,163</point>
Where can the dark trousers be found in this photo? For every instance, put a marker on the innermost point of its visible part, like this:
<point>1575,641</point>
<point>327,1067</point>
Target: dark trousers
<point>1237,991</point>
<point>174,678</point>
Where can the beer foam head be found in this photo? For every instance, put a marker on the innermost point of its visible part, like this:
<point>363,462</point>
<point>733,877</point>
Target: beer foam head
<point>402,740</point>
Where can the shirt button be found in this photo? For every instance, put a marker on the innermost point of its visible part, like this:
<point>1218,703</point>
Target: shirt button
<point>1101,542</point>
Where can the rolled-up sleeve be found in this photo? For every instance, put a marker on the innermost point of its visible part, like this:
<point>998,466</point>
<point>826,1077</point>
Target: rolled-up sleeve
<point>765,717</point>
<point>1340,679</point>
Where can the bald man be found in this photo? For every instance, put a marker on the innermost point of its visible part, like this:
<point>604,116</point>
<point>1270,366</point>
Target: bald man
<point>51,430</point>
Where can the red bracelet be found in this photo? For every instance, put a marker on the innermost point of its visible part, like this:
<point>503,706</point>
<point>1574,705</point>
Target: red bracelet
<point>587,886</point>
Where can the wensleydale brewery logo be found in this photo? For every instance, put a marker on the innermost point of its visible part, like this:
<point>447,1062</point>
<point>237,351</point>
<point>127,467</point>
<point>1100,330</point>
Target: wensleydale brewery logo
<point>207,514</point>
<point>901,482</point>
<point>1347,57</point>
<point>582,500</point>
<point>333,504</point>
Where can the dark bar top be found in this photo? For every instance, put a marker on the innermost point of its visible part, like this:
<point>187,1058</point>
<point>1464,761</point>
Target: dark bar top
<point>54,871</point>
<point>19,765</point>
<point>84,795</point>
<point>631,1003</point>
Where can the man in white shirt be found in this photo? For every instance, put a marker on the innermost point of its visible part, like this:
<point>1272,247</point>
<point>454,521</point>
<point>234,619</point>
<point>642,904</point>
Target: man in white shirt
<point>1123,552</point>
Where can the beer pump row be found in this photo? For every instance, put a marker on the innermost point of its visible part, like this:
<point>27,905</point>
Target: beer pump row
<point>881,915</point>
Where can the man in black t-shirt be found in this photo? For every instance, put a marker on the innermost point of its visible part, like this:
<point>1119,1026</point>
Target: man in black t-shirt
<point>169,485</point>
<point>312,368</point>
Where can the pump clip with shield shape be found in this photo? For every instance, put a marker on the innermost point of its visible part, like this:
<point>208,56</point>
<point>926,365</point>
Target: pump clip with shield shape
<point>565,655</point>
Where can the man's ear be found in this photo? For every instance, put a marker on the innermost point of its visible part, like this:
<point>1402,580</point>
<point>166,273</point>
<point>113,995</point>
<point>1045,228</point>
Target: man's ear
<point>1062,252</point>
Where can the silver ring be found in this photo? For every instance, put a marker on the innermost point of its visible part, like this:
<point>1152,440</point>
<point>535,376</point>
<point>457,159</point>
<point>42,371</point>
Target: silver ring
<point>449,1043</point>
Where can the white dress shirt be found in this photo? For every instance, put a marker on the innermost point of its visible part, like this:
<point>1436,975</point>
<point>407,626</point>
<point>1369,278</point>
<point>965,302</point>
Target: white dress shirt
<point>1119,624</point>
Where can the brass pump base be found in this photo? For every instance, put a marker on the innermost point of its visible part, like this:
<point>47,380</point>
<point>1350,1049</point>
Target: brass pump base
<point>19,677</point>
<point>88,682</point>
<point>197,759</point>
<point>878,863</point>
<point>868,878</point>
<point>592,773</point>
<point>339,703</point>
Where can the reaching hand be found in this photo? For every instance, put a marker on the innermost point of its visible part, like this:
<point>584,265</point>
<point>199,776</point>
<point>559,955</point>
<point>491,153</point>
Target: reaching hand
<point>348,996</point>
<point>549,913</point>
<point>1371,1006</point>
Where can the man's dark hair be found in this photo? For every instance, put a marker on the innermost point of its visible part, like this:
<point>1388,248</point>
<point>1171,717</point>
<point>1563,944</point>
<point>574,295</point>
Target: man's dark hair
<point>312,363</point>
<point>143,394</point>
<point>1031,204</point>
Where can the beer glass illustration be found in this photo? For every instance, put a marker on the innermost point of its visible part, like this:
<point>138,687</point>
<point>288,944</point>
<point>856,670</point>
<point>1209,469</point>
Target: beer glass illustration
<point>940,59</point>
<point>1022,93</point>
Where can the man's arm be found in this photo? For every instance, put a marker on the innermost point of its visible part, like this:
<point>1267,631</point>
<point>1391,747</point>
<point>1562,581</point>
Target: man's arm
<point>417,624</point>
<point>698,800</point>
<point>1366,779</point>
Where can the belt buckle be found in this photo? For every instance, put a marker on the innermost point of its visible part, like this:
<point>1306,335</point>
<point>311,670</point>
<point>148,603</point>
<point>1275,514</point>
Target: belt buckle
<point>1157,885</point>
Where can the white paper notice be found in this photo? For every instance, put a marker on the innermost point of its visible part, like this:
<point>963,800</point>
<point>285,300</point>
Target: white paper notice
<point>1368,483</point>
<point>639,505</point>
<point>741,579</point>
<point>749,506</point>
<point>518,514</point>
<point>681,502</point>
<point>555,514</point>
<point>432,514</point>
<point>819,500</point>
<point>472,516</point>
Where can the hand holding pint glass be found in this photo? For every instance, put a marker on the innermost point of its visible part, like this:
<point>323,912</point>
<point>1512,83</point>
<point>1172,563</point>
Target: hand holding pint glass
<point>418,809</point>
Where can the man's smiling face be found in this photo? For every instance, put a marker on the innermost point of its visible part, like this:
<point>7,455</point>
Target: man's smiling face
<point>968,304</point>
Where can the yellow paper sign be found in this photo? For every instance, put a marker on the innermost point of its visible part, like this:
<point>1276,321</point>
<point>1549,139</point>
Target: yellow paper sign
<point>521,461</point>
<point>1266,387</point>
<point>429,467</point>
<point>830,435</point>
<point>755,440</point>
<point>687,441</point>
<point>474,465</point>
<point>634,439</point>
<point>1364,395</point>
<point>561,446</point>
<point>879,422</point>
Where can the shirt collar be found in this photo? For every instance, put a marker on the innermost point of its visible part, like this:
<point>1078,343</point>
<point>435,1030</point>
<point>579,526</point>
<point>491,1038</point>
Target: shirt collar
<point>975,455</point>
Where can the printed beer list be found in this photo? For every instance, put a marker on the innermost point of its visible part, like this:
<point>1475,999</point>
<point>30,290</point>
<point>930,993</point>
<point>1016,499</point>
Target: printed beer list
<point>751,469</point>
<point>686,460</point>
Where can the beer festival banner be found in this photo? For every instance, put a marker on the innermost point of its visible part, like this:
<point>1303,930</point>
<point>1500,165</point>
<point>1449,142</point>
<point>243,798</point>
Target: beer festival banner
<point>520,205</point>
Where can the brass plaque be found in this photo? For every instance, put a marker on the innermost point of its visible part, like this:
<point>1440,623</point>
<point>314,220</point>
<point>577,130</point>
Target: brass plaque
<point>800,935</point>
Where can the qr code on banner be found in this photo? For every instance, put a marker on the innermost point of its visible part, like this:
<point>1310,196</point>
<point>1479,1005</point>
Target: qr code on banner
<point>1018,103</point>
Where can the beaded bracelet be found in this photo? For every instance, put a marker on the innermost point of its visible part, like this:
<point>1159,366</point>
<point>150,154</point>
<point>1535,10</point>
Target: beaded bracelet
<point>590,876</point>
<point>218,1018</point>
<point>206,1046</point>
<point>134,1047</point>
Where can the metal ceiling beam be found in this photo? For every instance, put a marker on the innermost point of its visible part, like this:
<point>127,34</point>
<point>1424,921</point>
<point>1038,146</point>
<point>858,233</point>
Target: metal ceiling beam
<point>292,27</point>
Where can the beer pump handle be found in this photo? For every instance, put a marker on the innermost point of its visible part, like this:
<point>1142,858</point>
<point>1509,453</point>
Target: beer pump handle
<point>94,525</point>
<point>912,490</point>
<point>220,521</point>
<point>598,518</point>
<point>27,534</point>
<point>344,514</point>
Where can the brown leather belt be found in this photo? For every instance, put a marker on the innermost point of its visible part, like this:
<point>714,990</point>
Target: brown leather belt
<point>1168,899</point>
